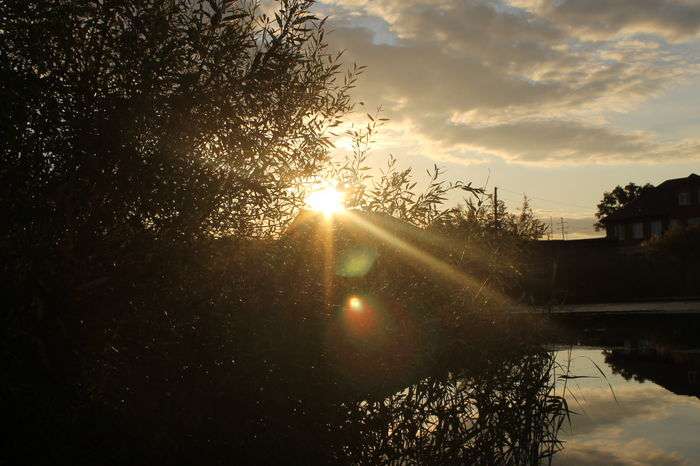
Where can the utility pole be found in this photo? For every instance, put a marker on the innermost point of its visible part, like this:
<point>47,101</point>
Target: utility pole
<point>495,207</point>
<point>550,233</point>
<point>562,224</point>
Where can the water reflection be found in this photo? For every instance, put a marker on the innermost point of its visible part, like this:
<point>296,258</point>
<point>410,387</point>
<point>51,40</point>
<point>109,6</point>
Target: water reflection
<point>674,369</point>
<point>505,413</point>
<point>634,401</point>
<point>652,365</point>
<point>644,424</point>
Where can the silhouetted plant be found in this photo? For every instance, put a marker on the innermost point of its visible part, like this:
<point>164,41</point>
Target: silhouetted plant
<point>503,413</point>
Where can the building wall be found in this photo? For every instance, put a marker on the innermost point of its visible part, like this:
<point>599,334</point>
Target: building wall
<point>677,214</point>
<point>628,227</point>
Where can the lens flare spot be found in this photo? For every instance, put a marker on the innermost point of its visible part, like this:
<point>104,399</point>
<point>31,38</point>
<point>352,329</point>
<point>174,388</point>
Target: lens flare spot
<point>356,262</point>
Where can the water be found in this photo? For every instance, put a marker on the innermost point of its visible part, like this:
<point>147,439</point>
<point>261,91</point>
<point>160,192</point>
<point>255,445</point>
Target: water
<point>636,405</point>
<point>631,385</point>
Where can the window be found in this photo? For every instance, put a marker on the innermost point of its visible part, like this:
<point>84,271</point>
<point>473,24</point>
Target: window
<point>620,232</point>
<point>683,198</point>
<point>656,228</point>
<point>638,230</point>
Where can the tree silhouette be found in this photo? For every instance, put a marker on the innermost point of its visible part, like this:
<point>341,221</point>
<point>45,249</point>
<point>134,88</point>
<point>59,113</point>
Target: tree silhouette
<point>178,118</point>
<point>134,135</point>
<point>617,199</point>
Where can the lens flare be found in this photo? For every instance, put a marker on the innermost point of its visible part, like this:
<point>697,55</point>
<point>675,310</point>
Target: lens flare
<point>356,262</point>
<point>355,304</point>
<point>327,200</point>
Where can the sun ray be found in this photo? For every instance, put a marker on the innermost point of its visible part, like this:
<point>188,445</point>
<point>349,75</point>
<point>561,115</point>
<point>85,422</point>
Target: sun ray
<point>444,269</point>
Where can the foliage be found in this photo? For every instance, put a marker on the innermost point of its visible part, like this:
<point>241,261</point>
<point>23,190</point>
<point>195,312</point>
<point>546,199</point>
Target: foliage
<point>180,119</point>
<point>465,237</point>
<point>393,191</point>
<point>524,224</point>
<point>500,242</point>
<point>616,199</point>
<point>153,152</point>
<point>464,417</point>
<point>134,133</point>
<point>145,145</point>
<point>477,217</point>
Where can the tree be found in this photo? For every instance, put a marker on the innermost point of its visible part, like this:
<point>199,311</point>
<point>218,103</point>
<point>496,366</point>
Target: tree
<point>617,199</point>
<point>476,219</point>
<point>181,118</point>
<point>131,127</point>
<point>134,134</point>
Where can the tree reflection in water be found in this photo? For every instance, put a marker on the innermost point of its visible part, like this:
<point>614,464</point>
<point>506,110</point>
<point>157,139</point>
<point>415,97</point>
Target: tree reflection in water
<point>506,413</point>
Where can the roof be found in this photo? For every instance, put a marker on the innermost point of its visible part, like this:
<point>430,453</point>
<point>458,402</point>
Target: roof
<point>680,183</point>
<point>656,202</point>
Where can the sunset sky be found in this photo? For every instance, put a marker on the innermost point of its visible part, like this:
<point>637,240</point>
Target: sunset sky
<point>561,100</point>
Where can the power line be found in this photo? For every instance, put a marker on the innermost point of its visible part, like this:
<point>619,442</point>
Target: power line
<point>539,213</point>
<point>549,229</point>
<point>544,199</point>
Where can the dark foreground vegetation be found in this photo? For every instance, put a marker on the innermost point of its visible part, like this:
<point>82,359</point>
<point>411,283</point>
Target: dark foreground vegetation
<point>156,308</point>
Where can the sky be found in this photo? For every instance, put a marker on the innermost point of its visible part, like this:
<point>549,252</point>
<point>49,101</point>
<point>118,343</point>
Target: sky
<point>558,99</point>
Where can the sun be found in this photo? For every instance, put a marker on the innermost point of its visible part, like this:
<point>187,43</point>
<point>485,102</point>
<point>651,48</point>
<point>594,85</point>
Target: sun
<point>327,200</point>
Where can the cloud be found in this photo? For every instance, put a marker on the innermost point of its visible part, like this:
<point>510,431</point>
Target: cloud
<point>562,141</point>
<point>598,410</point>
<point>601,19</point>
<point>637,452</point>
<point>599,433</point>
<point>518,82</point>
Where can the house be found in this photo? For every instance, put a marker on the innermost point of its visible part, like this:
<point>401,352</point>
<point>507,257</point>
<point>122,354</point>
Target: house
<point>674,202</point>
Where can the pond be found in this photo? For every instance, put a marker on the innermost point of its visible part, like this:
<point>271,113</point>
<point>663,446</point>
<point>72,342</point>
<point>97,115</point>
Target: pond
<point>619,391</point>
<point>635,404</point>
